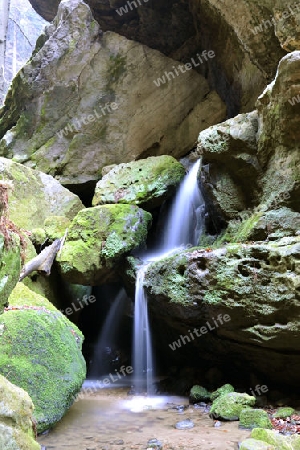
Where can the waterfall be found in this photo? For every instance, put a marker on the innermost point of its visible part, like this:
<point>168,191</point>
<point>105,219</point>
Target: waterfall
<point>183,227</point>
<point>107,339</point>
<point>142,358</point>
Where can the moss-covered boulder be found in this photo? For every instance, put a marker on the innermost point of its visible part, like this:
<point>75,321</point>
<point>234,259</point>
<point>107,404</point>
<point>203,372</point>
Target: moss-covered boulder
<point>254,444</point>
<point>97,239</point>
<point>146,182</point>
<point>199,394</point>
<point>36,196</point>
<point>276,439</point>
<point>10,268</point>
<point>242,300</point>
<point>225,389</point>
<point>229,406</point>
<point>283,413</point>
<point>16,421</point>
<point>254,418</point>
<point>40,351</point>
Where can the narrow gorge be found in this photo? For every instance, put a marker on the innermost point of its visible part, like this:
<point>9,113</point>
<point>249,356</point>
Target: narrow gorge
<point>149,225</point>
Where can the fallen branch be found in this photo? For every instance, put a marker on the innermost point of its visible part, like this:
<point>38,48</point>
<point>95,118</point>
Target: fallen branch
<point>42,263</point>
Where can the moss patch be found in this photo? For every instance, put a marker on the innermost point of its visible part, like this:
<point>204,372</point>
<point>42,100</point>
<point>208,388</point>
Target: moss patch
<point>254,418</point>
<point>146,182</point>
<point>40,351</point>
<point>10,268</point>
<point>168,277</point>
<point>98,238</point>
<point>229,406</point>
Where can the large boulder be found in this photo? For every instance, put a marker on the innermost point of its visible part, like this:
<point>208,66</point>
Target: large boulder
<point>279,135</point>
<point>35,196</point>
<point>242,300</point>
<point>16,418</point>
<point>146,182</point>
<point>40,351</point>
<point>251,163</point>
<point>179,29</point>
<point>97,240</point>
<point>230,165</point>
<point>100,92</point>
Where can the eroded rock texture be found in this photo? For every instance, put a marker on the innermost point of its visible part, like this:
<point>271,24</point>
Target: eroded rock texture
<point>255,285</point>
<point>91,100</point>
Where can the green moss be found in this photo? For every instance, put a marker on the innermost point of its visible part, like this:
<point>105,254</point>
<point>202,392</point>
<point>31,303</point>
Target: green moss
<point>279,441</point>
<point>10,268</point>
<point>97,239</point>
<point>283,413</point>
<point>55,227</point>
<point>213,297</point>
<point>24,296</point>
<point>229,406</point>
<point>199,394</point>
<point>146,182</point>
<point>40,351</point>
<point>38,236</point>
<point>116,67</point>
<point>254,418</point>
<point>225,389</point>
<point>168,277</point>
<point>254,444</point>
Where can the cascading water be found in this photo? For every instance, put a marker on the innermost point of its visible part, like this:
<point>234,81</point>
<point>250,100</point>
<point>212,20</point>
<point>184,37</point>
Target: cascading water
<point>184,226</point>
<point>142,358</point>
<point>107,339</point>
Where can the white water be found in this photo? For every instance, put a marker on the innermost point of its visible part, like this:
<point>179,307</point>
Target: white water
<point>142,347</point>
<point>184,223</point>
<point>108,335</point>
<point>183,227</point>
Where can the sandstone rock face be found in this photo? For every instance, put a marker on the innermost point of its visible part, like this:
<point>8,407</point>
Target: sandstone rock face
<point>251,162</point>
<point>255,285</point>
<point>97,240</point>
<point>36,196</point>
<point>16,426</point>
<point>245,29</point>
<point>147,182</point>
<point>24,26</point>
<point>93,99</point>
<point>279,135</point>
<point>40,352</point>
<point>230,165</point>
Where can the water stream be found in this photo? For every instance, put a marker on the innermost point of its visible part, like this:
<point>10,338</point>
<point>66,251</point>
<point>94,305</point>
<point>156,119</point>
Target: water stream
<point>107,340</point>
<point>184,222</point>
<point>142,347</point>
<point>183,227</point>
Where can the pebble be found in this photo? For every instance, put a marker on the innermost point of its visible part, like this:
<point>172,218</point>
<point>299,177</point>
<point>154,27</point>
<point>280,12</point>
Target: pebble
<point>154,444</point>
<point>118,442</point>
<point>184,425</point>
<point>217,424</point>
